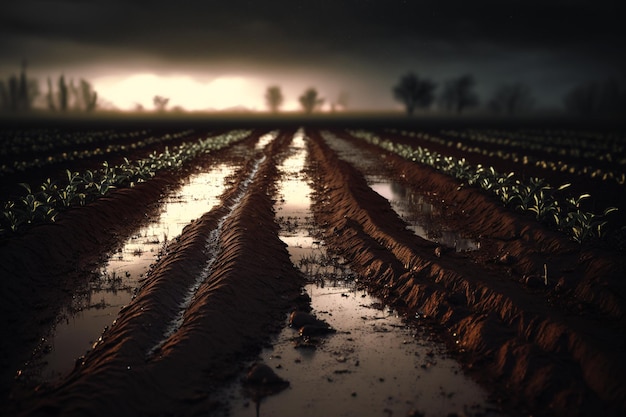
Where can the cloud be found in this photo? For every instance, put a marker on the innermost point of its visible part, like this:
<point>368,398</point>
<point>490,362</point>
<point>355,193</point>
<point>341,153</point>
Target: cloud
<point>364,43</point>
<point>220,93</point>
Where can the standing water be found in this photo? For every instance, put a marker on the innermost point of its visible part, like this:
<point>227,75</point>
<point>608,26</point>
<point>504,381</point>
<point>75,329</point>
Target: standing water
<point>422,217</point>
<point>375,364</point>
<point>95,308</point>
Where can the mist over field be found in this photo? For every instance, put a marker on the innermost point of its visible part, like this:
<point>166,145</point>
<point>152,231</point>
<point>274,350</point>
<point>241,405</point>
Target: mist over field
<point>217,56</point>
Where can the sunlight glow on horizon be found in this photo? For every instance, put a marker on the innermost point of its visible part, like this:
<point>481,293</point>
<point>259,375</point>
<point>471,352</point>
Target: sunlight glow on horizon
<point>186,92</point>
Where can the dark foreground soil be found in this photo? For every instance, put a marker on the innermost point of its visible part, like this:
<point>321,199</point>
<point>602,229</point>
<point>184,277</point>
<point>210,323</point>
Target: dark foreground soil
<point>552,349</point>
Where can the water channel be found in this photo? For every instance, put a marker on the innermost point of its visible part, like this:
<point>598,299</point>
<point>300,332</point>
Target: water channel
<point>422,217</point>
<point>376,364</point>
<point>96,306</point>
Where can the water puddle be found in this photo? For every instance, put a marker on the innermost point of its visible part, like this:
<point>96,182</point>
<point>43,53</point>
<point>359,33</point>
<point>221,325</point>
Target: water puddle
<point>423,218</point>
<point>212,249</point>
<point>265,139</point>
<point>375,364</point>
<point>113,286</point>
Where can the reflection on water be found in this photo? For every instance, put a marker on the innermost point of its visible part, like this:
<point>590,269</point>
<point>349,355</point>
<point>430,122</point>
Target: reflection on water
<point>265,140</point>
<point>96,307</point>
<point>375,364</point>
<point>423,218</point>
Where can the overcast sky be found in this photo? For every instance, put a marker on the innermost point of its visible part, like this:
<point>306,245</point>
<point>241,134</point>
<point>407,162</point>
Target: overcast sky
<point>361,47</point>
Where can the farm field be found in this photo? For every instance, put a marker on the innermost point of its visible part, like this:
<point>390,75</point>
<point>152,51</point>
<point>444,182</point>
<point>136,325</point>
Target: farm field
<point>490,258</point>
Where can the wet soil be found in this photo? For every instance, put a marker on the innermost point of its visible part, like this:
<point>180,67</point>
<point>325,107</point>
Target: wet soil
<point>544,343</point>
<point>555,347</point>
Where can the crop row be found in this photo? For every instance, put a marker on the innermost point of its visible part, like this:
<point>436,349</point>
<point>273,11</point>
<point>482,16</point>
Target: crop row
<point>77,154</point>
<point>607,154</point>
<point>19,141</point>
<point>546,203</point>
<point>578,143</point>
<point>43,203</point>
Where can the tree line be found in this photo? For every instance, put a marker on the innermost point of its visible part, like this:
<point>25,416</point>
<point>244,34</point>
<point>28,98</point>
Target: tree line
<point>19,92</point>
<point>310,100</point>
<point>458,95</point>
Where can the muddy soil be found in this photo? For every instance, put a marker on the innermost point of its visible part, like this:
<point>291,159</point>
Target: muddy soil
<point>555,347</point>
<point>545,343</point>
<point>10,188</point>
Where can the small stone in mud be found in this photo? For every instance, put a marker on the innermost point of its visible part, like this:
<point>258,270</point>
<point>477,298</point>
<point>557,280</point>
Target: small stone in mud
<point>261,381</point>
<point>533,281</point>
<point>506,259</point>
<point>442,250</point>
<point>262,374</point>
<point>315,330</point>
<point>297,319</point>
<point>305,343</point>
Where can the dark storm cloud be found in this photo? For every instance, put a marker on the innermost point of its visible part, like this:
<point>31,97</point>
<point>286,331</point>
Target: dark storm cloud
<point>371,38</point>
<point>230,28</point>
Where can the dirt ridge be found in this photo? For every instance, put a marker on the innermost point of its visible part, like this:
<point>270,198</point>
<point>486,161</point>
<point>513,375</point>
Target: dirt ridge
<point>463,305</point>
<point>522,237</point>
<point>117,377</point>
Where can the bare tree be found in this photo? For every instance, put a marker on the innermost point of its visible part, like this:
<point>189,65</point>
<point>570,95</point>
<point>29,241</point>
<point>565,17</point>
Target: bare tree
<point>342,101</point>
<point>50,96</point>
<point>74,96</point>
<point>414,93</point>
<point>78,97</point>
<point>458,94</point>
<point>63,94</point>
<point>19,93</point>
<point>310,101</point>
<point>88,95</point>
<point>160,103</point>
<point>512,99</point>
<point>274,98</point>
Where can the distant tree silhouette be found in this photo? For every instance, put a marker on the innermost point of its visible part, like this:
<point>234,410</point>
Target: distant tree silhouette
<point>414,93</point>
<point>19,92</point>
<point>595,98</point>
<point>88,95</point>
<point>511,99</point>
<point>77,97</point>
<point>50,96</point>
<point>64,97</point>
<point>310,101</point>
<point>160,103</point>
<point>342,101</point>
<point>458,94</point>
<point>274,98</point>
<point>74,96</point>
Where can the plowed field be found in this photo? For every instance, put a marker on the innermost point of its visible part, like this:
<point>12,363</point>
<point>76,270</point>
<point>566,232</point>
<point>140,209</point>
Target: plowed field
<point>534,317</point>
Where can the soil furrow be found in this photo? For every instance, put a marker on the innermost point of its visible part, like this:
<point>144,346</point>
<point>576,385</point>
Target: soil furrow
<point>248,291</point>
<point>41,269</point>
<point>573,271</point>
<point>487,317</point>
<point>218,291</point>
